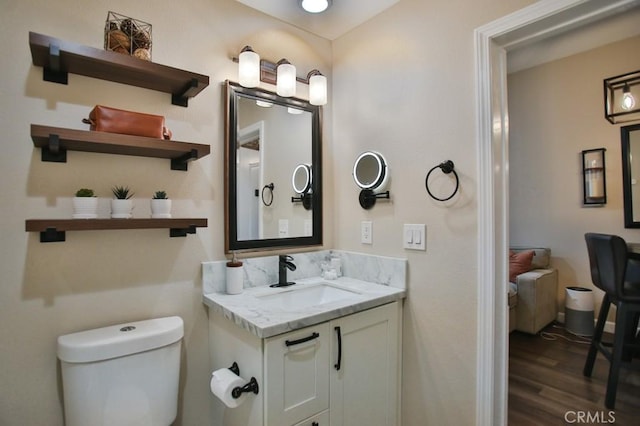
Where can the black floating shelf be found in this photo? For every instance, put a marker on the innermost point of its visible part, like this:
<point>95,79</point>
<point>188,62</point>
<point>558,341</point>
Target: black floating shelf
<point>53,230</point>
<point>58,58</point>
<point>55,141</point>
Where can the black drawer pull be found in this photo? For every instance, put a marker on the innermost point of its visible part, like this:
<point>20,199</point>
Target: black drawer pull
<point>338,364</point>
<point>304,339</point>
<point>315,424</point>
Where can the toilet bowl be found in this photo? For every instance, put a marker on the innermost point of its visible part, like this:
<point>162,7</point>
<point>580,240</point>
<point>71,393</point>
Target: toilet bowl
<point>124,374</point>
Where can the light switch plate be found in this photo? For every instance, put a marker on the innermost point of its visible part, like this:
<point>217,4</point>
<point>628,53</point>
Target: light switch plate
<point>366,232</point>
<point>414,236</point>
<point>283,228</point>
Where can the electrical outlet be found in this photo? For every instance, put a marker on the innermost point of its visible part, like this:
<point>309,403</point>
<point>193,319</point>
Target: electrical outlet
<point>366,232</point>
<point>414,236</point>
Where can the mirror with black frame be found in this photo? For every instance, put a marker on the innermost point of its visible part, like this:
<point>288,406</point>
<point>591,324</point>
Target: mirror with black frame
<point>630,136</point>
<point>267,137</point>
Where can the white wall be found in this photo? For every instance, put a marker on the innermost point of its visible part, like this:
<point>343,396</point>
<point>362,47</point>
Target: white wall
<point>97,278</point>
<point>555,112</point>
<point>410,71</point>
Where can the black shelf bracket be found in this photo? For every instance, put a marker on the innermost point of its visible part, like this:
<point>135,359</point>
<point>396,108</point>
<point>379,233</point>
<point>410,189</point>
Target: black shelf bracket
<point>53,152</point>
<point>51,235</point>
<point>53,72</point>
<point>182,232</point>
<point>181,163</point>
<point>182,98</point>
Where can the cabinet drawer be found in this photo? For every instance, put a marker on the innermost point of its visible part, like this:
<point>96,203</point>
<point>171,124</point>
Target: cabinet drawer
<point>297,375</point>
<point>321,419</point>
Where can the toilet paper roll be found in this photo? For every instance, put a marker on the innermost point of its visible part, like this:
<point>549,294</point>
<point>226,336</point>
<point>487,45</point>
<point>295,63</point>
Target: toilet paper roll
<point>223,381</point>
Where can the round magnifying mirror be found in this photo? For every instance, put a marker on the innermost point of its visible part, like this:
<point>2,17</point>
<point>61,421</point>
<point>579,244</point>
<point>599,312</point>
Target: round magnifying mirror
<point>301,179</point>
<point>370,171</point>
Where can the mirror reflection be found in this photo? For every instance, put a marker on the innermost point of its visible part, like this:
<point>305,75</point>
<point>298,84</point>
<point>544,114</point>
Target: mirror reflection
<point>301,179</point>
<point>631,175</point>
<point>269,138</point>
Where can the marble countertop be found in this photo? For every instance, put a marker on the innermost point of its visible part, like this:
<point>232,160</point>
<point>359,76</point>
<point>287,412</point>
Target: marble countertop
<point>263,319</point>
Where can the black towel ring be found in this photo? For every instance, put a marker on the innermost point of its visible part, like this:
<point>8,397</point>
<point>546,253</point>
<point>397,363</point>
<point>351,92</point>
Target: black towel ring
<point>446,167</point>
<point>270,188</point>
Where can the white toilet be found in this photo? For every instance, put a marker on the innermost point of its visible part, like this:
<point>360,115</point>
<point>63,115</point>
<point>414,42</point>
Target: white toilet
<point>124,374</point>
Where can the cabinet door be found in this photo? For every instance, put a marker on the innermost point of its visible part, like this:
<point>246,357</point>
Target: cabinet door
<point>365,368</point>
<point>321,419</point>
<point>297,375</point>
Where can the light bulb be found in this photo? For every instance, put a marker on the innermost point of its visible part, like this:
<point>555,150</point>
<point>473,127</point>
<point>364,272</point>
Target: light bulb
<point>249,67</point>
<point>628,101</point>
<point>285,79</point>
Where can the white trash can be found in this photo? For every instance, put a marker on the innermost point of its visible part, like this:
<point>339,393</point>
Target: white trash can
<point>578,311</point>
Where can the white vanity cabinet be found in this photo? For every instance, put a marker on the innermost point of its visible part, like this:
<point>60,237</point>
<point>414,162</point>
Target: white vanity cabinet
<point>296,380</point>
<point>364,380</point>
<point>344,372</point>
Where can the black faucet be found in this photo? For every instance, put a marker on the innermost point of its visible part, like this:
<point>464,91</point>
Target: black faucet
<point>284,262</point>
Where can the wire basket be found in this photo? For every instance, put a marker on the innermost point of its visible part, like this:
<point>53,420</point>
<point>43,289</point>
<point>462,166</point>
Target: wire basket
<point>128,36</point>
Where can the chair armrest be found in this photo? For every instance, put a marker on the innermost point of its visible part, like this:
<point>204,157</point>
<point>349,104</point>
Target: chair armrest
<point>537,291</point>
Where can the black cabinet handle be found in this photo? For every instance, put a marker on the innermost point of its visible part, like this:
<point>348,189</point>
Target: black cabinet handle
<point>315,424</point>
<point>304,339</point>
<point>339,335</point>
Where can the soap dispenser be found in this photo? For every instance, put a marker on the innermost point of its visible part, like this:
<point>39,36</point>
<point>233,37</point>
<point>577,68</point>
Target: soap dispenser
<point>235,277</point>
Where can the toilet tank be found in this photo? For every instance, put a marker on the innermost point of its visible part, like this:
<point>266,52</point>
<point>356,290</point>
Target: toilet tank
<point>124,374</point>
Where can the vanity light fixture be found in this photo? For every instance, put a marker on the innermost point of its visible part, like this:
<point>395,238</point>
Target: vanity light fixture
<point>263,104</point>
<point>285,79</point>
<point>252,70</point>
<point>294,111</point>
<point>620,98</point>
<point>248,67</point>
<point>315,6</point>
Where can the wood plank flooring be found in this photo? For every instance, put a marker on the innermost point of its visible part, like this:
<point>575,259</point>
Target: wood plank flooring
<point>546,385</point>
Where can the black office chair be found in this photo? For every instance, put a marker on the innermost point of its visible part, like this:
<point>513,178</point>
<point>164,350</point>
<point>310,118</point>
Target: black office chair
<point>619,277</point>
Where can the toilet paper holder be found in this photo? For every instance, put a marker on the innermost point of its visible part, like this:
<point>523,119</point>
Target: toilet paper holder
<point>252,386</point>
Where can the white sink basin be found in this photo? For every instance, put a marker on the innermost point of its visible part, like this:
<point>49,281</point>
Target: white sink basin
<point>305,295</point>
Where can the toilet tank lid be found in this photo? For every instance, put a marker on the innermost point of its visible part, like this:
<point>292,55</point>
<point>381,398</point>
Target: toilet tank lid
<point>119,340</point>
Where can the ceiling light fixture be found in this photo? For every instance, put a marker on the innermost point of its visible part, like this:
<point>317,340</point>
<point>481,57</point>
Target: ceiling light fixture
<point>315,6</point>
<point>621,98</point>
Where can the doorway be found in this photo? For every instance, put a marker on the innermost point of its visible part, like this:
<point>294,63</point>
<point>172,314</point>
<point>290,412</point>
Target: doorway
<point>541,20</point>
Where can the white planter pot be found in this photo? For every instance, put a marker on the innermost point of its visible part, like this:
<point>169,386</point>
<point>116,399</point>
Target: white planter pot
<point>161,208</point>
<point>85,207</point>
<point>121,209</point>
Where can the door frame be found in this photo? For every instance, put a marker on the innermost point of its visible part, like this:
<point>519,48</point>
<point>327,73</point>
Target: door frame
<point>540,20</point>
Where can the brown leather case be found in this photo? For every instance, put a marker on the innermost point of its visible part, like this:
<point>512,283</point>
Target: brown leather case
<point>112,120</point>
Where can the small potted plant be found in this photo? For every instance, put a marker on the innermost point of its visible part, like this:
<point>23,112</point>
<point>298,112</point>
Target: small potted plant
<point>85,204</point>
<point>160,205</point>
<point>121,205</point>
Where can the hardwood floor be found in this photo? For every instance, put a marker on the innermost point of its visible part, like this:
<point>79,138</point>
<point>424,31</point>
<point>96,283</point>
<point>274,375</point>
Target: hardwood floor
<point>546,385</point>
